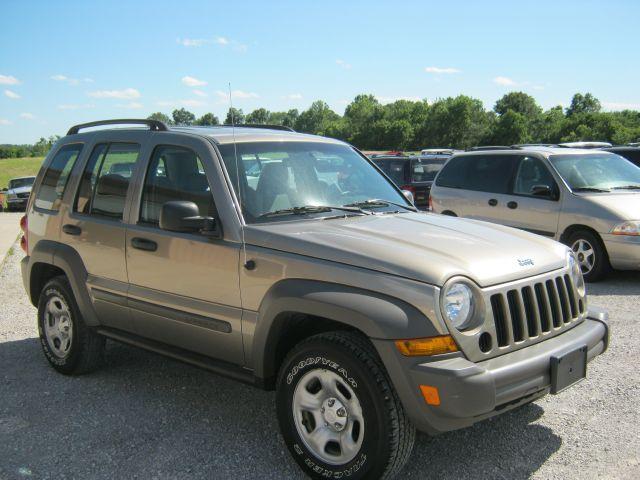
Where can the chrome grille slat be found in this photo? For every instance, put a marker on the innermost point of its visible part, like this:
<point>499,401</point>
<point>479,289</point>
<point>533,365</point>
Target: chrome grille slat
<point>524,313</point>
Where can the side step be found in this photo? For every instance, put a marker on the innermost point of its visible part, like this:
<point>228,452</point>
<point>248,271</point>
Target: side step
<point>220,367</point>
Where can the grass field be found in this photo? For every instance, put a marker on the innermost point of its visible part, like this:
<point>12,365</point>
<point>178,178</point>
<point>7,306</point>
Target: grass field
<point>18,167</point>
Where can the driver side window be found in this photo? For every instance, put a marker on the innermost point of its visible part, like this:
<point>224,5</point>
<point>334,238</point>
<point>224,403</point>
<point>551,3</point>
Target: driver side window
<point>532,172</point>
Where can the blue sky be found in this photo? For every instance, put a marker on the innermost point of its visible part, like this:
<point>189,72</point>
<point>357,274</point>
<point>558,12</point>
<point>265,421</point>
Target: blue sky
<point>67,62</point>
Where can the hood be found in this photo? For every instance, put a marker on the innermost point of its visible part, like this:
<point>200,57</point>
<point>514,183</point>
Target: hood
<point>26,189</point>
<point>424,247</point>
<point>622,205</point>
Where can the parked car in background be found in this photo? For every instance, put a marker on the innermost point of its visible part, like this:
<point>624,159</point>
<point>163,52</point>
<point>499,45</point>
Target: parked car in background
<point>17,193</point>
<point>630,153</point>
<point>589,200</point>
<point>413,174</point>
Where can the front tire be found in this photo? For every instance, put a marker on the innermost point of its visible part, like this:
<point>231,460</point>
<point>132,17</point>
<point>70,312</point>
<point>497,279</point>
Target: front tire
<point>68,344</point>
<point>591,253</point>
<point>338,412</point>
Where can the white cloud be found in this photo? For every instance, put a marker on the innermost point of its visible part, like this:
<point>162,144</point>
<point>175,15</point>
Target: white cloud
<point>441,70</point>
<point>505,81</point>
<point>200,93</point>
<point>75,106</point>
<point>11,94</point>
<point>192,42</point>
<point>192,82</point>
<point>620,106</point>
<point>4,121</point>
<point>126,94</point>
<point>27,116</point>
<point>385,100</point>
<point>224,96</point>
<point>8,80</point>
<point>130,105</point>
<point>293,96</point>
<point>69,80</point>
<point>165,103</point>
<point>343,64</point>
<point>192,102</point>
<point>222,41</point>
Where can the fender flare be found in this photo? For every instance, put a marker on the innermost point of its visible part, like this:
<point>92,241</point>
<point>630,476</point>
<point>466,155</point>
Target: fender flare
<point>376,315</point>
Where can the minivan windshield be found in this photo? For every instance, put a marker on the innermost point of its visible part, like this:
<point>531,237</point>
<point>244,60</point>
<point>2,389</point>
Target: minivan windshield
<point>289,180</point>
<point>597,172</point>
<point>21,182</point>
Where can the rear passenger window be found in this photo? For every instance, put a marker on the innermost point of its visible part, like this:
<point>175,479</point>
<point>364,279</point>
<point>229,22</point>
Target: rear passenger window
<point>55,179</point>
<point>478,172</point>
<point>104,184</point>
<point>175,174</point>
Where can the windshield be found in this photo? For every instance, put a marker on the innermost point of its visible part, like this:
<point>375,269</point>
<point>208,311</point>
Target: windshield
<point>276,176</point>
<point>601,171</point>
<point>425,169</point>
<point>21,182</point>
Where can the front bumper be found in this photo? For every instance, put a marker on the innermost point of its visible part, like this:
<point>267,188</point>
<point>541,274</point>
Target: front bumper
<point>470,392</point>
<point>623,251</point>
<point>17,202</point>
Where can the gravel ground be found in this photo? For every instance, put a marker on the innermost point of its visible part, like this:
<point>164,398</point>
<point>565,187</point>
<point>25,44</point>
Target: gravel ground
<point>144,416</point>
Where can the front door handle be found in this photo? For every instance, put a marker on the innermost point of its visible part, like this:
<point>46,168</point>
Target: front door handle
<point>71,229</point>
<point>144,244</point>
<point>512,205</point>
<point>493,202</point>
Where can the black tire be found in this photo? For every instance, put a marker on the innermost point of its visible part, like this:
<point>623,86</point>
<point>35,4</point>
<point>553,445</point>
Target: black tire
<point>601,266</point>
<point>388,434</point>
<point>86,349</point>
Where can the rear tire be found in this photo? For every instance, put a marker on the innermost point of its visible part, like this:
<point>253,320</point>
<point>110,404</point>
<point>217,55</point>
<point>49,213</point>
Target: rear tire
<point>69,345</point>
<point>591,253</point>
<point>338,412</point>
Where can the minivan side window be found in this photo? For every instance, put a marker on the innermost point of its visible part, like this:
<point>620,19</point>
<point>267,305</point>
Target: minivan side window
<point>54,182</point>
<point>104,183</point>
<point>175,174</point>
<point>532,173</point>
<point>483,173</point>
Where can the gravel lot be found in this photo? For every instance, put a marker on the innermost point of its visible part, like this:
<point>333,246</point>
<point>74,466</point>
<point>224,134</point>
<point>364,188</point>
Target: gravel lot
<point>144,416</point>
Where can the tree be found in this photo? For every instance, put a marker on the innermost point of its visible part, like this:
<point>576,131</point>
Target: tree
<point>234,117</point>
<point>183,117</point>
<point>259,116</point>
<point>511,128</point>
<point>316,119</point>
<point>583,104</point>
<point>160,117</point>
<point>208,119</point>
<point>287,119</point>
<point>519,102</point>
<point>360,117</point>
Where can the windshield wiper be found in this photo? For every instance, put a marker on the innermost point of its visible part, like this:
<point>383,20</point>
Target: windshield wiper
<point>376,202</point>
<point>590,189</point>
<point>628,187</point>
<point>306,209</point>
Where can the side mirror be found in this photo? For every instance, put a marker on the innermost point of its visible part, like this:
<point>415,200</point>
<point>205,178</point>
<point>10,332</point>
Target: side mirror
<point>409,196</point>
<point>544,191</point>
<point>185,217</point>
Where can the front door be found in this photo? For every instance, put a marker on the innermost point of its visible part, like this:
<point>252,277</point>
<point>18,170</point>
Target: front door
<point>183,287</point>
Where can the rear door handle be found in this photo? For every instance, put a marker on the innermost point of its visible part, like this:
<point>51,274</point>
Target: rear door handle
<point>493,202</point>
<point>144,244</point>
<point>512,205</point>
<point>71,229</point>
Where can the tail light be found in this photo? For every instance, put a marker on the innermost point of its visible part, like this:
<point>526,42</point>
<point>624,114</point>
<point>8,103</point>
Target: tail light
<point>411,188</point>
<point>24,241</point>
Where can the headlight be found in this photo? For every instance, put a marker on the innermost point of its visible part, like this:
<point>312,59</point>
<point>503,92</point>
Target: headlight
<point>458,304</point>
<point>576,273</point>
<point>632,227</point>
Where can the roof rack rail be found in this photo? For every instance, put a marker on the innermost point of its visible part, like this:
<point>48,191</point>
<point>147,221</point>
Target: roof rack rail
<point>262,125</point>
<point>155,125</point>
<point>482,148</point>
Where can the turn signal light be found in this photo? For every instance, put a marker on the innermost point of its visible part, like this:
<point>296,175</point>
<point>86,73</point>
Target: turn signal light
<point>427,346</point>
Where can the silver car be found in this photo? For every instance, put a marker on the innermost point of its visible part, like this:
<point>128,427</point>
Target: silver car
<point>17,193</point>
<point>589,200</point>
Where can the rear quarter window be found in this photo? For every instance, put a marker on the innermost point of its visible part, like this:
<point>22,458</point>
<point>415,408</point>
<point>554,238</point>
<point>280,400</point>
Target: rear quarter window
<point>484,173</point>
<point>54,181</point>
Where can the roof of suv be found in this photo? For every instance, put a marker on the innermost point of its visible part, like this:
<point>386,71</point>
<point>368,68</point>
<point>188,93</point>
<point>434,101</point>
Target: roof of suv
<point>540,150</point>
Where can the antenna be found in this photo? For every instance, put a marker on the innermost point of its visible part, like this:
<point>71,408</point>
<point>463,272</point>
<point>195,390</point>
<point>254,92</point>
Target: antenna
<point>247,265</point>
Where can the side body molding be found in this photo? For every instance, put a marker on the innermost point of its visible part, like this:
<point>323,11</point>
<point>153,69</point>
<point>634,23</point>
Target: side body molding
<point>377,315</point>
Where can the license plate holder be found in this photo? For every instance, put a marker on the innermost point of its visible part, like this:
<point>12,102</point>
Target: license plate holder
<point>568,368</point>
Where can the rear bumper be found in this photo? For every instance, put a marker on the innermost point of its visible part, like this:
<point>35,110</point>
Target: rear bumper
<point>470,392</point>
<point>623,251</point>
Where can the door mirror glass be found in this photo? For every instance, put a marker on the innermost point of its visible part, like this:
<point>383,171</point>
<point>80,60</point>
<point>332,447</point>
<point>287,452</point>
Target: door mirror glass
<point>409,196</point>
<point>181,216</point>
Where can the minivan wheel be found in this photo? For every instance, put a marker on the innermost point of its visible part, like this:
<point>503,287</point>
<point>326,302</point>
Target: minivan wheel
<point>338,413</point>
<point>591,254</point>
<point>69,345</point>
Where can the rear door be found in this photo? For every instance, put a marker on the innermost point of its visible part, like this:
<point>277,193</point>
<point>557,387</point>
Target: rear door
<point>184,287</point>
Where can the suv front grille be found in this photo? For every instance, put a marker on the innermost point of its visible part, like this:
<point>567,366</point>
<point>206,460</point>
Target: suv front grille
<point>524,313</point>
<point>23,195</point>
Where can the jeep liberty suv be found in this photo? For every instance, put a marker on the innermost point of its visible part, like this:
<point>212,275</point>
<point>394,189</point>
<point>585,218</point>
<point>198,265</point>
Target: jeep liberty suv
<point>291,262</point>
